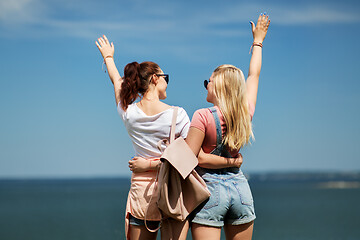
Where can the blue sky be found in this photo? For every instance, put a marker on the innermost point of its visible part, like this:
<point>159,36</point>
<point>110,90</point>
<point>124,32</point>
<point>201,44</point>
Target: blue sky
<point>58,115</point>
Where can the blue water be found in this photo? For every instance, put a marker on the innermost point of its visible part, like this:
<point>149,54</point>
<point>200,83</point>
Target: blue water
<point>286,208</point>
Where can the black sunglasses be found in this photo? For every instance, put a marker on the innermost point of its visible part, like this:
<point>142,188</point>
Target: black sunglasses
<point>166,77</point>
<point>206,82</point>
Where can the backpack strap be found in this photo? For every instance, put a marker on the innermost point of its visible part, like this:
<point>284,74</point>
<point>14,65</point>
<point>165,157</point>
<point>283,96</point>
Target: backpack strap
<point>173,124</point>
<point>172,130</point>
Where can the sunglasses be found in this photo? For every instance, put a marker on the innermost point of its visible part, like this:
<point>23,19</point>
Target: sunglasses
<point>206,82</point>
<point>166,77</point>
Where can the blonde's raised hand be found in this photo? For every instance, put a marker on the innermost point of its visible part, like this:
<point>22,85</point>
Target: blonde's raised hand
<point>260,29</point>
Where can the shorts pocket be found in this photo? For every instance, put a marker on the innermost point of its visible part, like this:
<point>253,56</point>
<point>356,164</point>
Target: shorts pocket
<point>213,187</point>
<point>243,188</point>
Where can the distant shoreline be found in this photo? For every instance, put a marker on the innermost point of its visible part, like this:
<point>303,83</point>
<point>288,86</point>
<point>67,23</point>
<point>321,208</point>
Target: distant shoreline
<point>253,177</point>
<point>305,176</point>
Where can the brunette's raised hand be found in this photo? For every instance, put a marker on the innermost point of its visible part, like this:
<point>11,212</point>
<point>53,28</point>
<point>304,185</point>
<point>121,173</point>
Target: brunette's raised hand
<point>106,49</point>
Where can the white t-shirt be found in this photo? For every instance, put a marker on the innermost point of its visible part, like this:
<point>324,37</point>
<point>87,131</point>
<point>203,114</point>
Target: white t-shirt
<point>146,131</point>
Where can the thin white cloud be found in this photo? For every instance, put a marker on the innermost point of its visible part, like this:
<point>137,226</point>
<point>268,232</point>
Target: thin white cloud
<point>313,15</point>
<point>172,23</point>
<point>149,19</point>
<point>285,15</point>
<point>20,11</point>
<point>7,8</point>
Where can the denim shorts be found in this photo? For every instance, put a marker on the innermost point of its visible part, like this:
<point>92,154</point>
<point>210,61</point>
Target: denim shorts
<point>139,222</point>
<point>231,201</point>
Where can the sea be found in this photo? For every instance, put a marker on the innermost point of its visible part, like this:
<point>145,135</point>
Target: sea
<point>289,206</point>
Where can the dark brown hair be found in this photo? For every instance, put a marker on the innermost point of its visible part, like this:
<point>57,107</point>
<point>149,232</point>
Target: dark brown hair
<point>136,81</point>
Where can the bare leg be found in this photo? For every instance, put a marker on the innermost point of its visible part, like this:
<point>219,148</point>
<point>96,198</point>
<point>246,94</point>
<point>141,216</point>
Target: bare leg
<point>141,233</point>
<point>201,232</point>
<point>239,232</point>
<point>172,229</point>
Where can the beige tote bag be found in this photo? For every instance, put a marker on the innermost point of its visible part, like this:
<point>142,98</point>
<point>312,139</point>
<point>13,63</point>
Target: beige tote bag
<point>181,189</point>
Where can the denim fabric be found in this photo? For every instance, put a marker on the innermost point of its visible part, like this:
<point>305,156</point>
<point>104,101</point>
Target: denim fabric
<point>139,222</point>
<point>220,149</point>
<point>230,202</point>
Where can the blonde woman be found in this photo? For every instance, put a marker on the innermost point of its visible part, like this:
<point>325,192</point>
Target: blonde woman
<point>222,130</point>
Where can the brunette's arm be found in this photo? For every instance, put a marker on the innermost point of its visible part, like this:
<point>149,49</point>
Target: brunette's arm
<point>107,51</point>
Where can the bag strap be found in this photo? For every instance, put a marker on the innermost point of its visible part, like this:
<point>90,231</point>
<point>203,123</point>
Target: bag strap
<point>172,130</point>
<point>147,208</point>
<point>173,124</point>
<point>172,137</point>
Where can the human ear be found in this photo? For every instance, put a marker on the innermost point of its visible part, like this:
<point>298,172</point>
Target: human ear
<point>155,79</point>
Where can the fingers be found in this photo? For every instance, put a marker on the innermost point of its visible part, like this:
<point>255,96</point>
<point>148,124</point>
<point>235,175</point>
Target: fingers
<point>101,41</point>
<point>263,22</point>
<point>265,19</point>
<point>97,45</point>
<point>267,23</point>
<point>106,40</point>
<point>259,19</point>
<point>252,26</point>
<point>264,15</point>
<point>239,159</point>
<point>131,165</point>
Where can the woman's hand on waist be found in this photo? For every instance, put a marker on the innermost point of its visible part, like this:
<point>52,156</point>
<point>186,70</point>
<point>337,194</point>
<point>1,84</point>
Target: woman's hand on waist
<point>236,161</point>
<point>139,164</point>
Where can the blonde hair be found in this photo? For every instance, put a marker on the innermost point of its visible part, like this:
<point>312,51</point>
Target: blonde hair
<point>230,91</point>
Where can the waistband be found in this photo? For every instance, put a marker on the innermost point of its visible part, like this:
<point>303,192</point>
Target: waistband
<point>222,171</point>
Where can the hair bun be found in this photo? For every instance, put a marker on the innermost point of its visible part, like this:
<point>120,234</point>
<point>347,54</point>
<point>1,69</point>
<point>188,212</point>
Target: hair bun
<point>136,81</point>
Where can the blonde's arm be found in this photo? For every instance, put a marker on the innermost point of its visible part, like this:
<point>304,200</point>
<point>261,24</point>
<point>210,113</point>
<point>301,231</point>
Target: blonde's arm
<point>259,33</point>
<point>195,139</point>
<point>208,160</point>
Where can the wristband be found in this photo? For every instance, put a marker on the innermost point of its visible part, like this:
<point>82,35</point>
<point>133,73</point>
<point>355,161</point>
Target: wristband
<point>255,44</point>
<point>108,56</point>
